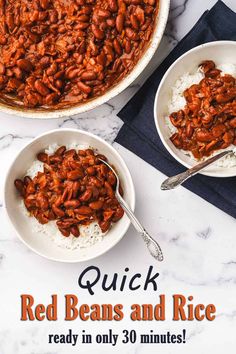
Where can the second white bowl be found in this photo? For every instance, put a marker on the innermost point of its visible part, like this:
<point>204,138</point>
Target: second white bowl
<point>221,52</point>
<point>44,245</point>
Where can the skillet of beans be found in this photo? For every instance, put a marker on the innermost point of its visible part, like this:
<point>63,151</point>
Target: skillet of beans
<point>208,121</point>
<point>56,54</point>
<point>75,188</point>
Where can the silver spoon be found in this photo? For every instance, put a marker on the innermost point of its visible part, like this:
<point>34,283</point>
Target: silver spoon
<point>152,245</point>
<point>175,181</point>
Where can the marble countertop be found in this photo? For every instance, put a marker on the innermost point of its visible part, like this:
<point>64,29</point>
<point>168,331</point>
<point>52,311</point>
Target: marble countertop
<point>198,240</point>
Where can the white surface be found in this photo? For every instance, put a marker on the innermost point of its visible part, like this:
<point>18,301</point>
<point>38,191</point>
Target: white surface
<point>222,53</point>
<point>198,240</point>
<point>23,224</point>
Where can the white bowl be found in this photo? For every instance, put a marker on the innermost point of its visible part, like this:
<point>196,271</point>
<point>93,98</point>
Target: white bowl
<point>221,52</point>
<point>113,91</point>
<point>45,246</point>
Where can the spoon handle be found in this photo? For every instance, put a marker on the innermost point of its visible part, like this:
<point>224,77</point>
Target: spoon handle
<point>152,245</point>
<point>175,181</point>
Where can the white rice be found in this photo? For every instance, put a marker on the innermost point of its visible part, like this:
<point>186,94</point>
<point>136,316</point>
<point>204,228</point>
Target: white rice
<point>177,102</point>
<point>89,235</point>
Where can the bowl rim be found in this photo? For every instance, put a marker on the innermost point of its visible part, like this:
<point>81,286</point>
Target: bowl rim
<point>114,90</point>
<point>117,156</point>
<point>156,120</point>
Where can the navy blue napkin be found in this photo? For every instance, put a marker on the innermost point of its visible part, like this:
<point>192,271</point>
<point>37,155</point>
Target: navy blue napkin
<point>139,135</point>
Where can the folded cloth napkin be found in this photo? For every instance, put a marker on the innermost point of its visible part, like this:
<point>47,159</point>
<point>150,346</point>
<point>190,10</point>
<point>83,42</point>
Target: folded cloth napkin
<point>139,135</point>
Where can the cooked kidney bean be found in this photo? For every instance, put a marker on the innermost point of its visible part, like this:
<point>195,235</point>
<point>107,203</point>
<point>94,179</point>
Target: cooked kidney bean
<point>20,186</point>
<point>56,54</point>
<point>74,189</point>
<point>208,121</point>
